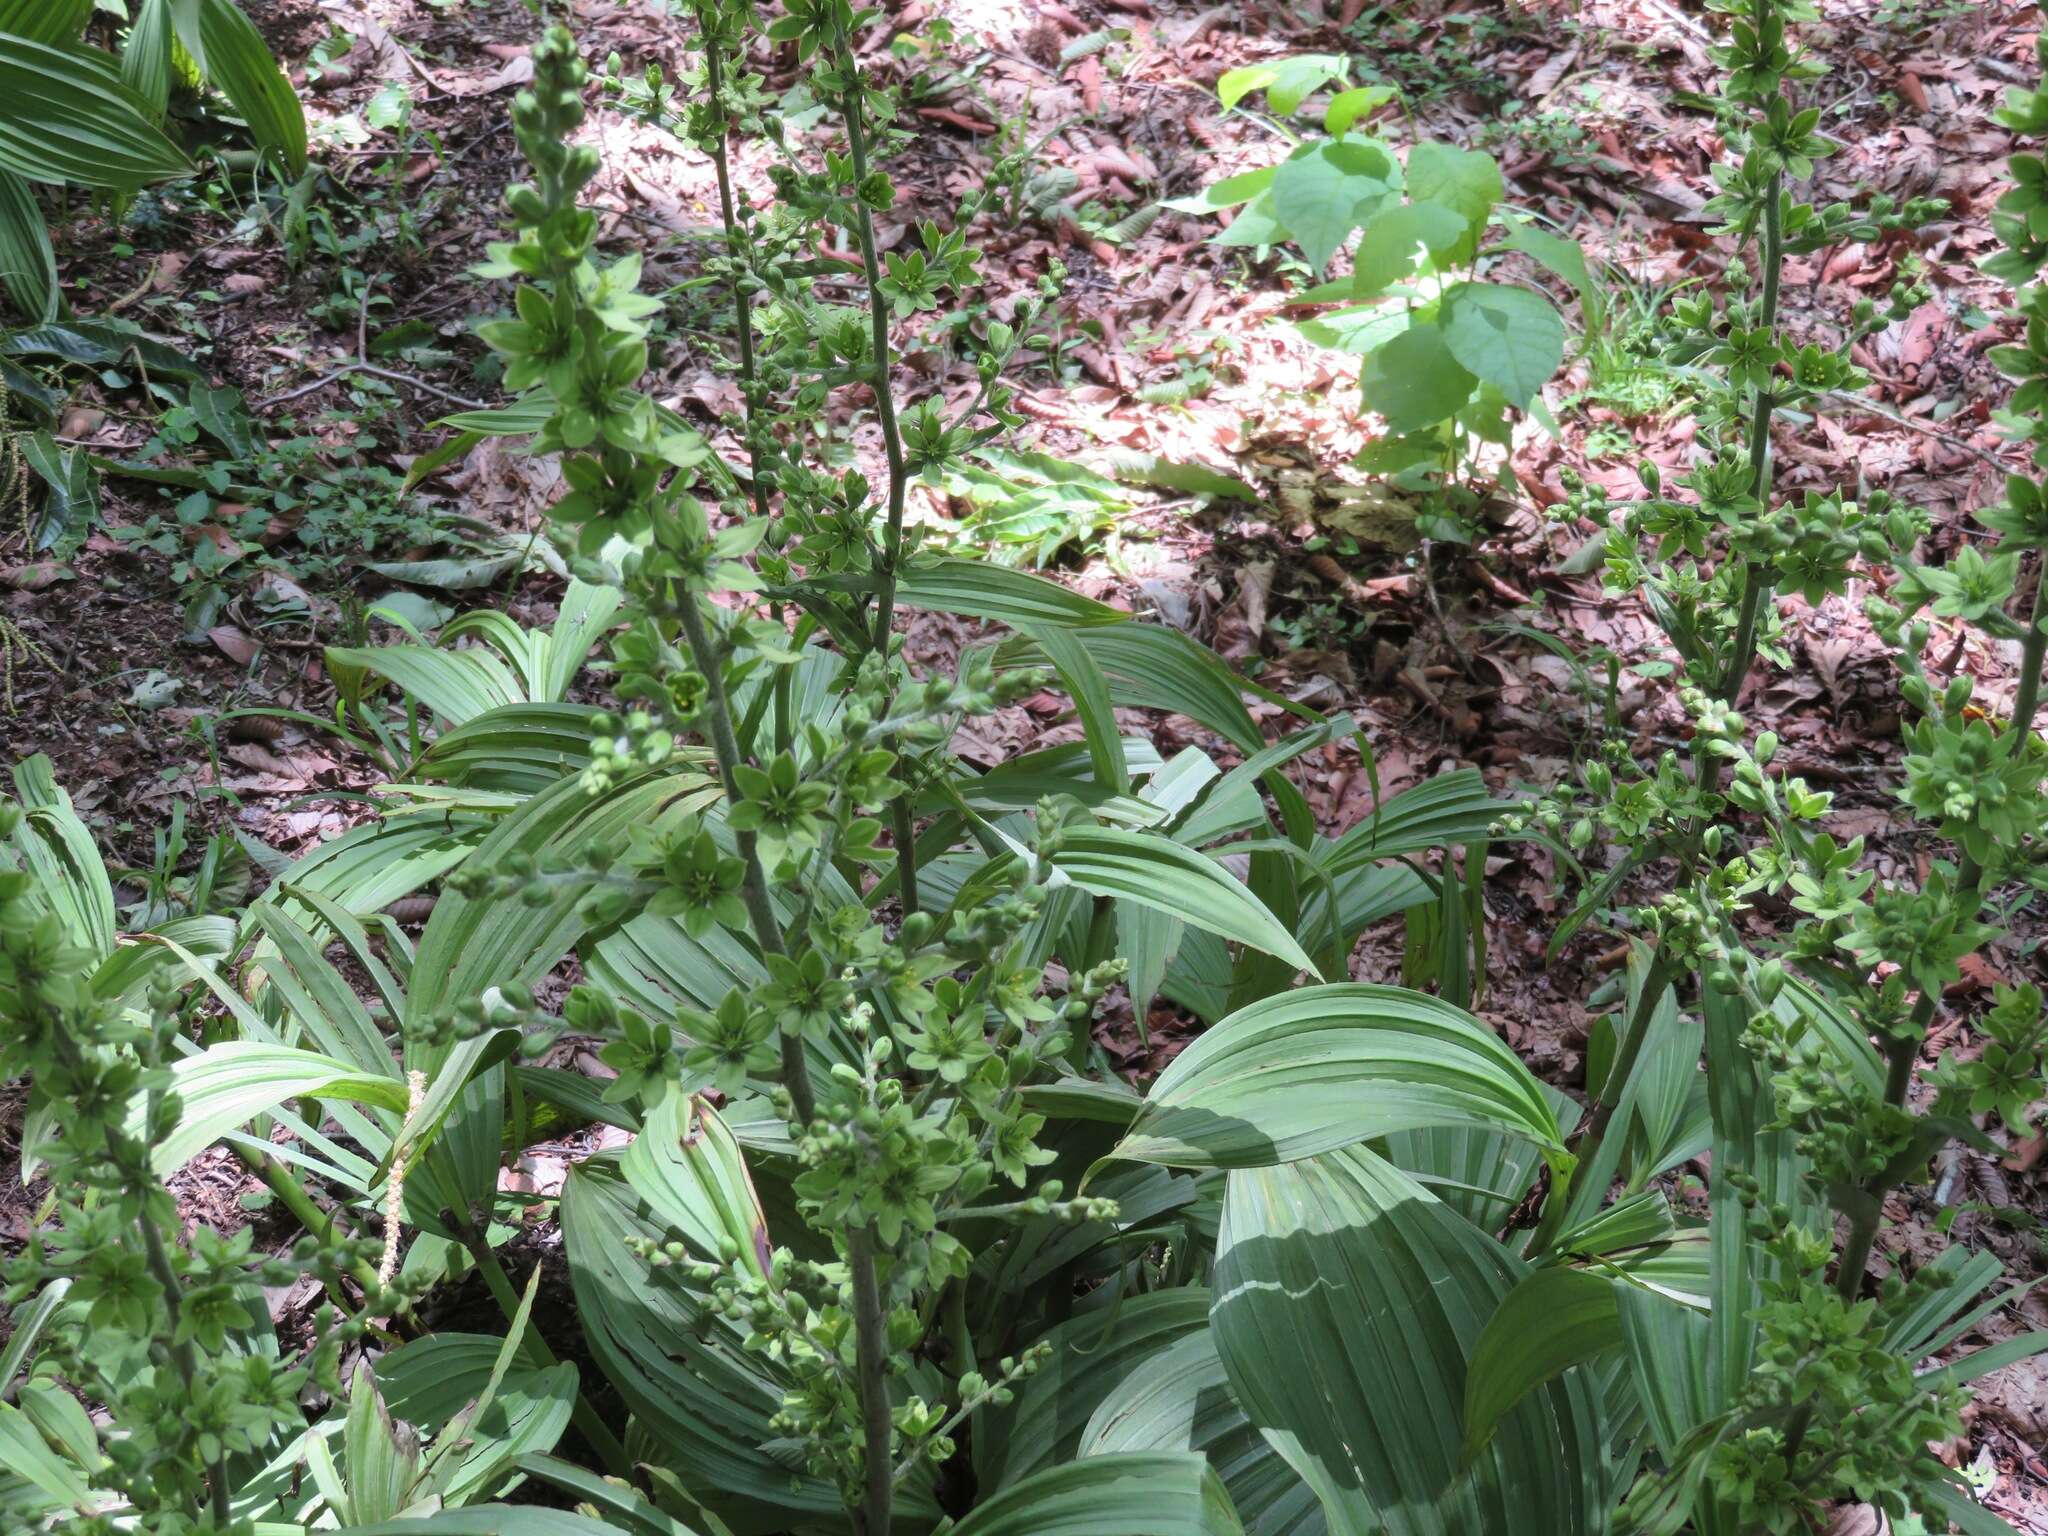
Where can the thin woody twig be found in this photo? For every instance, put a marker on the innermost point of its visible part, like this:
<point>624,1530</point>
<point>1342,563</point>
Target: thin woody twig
<point>392,374</point>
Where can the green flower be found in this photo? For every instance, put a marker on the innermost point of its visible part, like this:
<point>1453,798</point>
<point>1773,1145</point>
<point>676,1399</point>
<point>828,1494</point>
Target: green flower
<point>1924,933</point>
<point>124,1296</point>
<point>704,885</point>
<point>803,995</point>
<point>2023,515</point>
<point>643,1056</point>
<point>1750,356</point>
<point>902,1200</point>
<point>1012,1148</point>
<point>952,1047</point>
<point>1970,586</point>
<point>733,1044</point>
<point>779,806</point>
<point>1963,778</point>
<point>207,1313</point>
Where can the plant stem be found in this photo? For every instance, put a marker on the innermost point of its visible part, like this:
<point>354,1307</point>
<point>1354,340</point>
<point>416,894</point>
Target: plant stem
<point>1756,592</point>
<point>2027,702</point>
<point>302,1206</point>
<point>871,1351</point>
<point>902,832</point>
<point>1655,980</point>
<point>743,317</point>
<point>878,316</point>
<point>1586,1144</point>
<point>133,1160</point>
<point>186,1359</point>
<point>761,917</point>
<point>718,710</point>
<point>1903,1053</point>
<point>1757,588</point>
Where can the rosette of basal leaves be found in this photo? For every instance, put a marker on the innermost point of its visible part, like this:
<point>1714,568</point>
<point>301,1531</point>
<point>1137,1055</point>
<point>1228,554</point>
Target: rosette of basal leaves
<point>72,114</point>
<point>167,1335</point>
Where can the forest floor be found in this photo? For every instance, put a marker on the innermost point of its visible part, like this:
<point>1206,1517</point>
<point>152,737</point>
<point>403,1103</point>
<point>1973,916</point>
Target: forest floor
<point>345,324</point>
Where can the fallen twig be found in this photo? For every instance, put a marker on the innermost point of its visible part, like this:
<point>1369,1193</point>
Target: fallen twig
<point>383,373</point>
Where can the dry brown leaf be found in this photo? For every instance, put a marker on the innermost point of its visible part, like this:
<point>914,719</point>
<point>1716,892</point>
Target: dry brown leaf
<point>233,644</point>
<point>34,576</point>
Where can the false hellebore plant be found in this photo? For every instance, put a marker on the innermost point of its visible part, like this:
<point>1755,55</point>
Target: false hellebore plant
<point>891,1246</point>
<point>1798,1388</point>
<point>847,1272</point>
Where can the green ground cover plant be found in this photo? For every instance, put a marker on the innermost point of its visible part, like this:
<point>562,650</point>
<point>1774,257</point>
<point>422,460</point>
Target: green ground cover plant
<point>1453,344</point>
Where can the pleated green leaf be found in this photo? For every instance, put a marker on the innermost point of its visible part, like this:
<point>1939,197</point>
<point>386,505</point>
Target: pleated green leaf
<point>46,1481</point>
<point>1146,940</point>
<point>546,661</point>
<point>1089,689</point>
<point>28,265</point>
<point>1348,1305</point>
<point>71,495</point>
<point>28,1321</point>
<point>146,57</point>
<point>1668,1347</point>
<point>1552,1320</point>
<point>705,1401</point>
<point>515,666</point>
<point>1993,1357</point>
<point>1476,1172</point>
<point>67,117</point>
<point>381,1466</point>
<point>58,848</point>
<point>619,1501</point>
<point>318,996</point>
<point>1152,667</point>
<point>688,1169</point>
<point>369,867</point>
<point>1131,1494</point>
<point>233,57</point>
<point>1021,782</point>
<point>1092,1357</point>
<point>519,748</point>
<point>1945,1311</point>
<point>1449,810</point>
<point>459,1071</point>
<point>491,1520</point>
<point>473,943</point>
<point>1321,1067</point>
<point>1739,1100</point>
<point>45,21</point>
<point>457,686</point>
<point>105,342</point>
<point>1163,875</point>
<point>1229,804</point>
<point>428,1382</point>
<point>1180,1400</point>
<point>231,1083</point>
<point>653,964</point>
<point>977,590</point>
<point>1962,1510</point>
